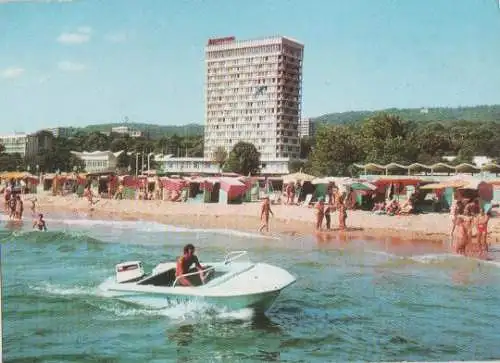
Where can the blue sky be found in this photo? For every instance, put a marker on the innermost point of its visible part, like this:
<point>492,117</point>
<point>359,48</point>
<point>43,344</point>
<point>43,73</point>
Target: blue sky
<point>78,62</point>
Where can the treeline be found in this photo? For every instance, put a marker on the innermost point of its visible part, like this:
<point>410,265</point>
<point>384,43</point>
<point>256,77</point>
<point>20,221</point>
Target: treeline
<point>59,157</point>
<point>445,115</point>
<point>386,138</point>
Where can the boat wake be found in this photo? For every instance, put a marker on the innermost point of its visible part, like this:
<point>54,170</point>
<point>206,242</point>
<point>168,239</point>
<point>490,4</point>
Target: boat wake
<point>176,312</point>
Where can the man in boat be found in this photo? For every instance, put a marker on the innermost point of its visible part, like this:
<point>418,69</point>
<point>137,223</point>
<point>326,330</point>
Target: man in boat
<point>40,223</point>
<point>184,266</point>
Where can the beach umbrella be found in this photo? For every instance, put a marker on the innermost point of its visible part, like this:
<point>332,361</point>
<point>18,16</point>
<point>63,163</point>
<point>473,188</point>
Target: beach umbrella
<point>298,176</point>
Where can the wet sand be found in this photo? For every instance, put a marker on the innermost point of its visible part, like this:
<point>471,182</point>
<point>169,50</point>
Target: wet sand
<point>288,220</point>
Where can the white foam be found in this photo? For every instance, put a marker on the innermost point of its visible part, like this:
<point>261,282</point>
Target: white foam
<point>177,311</point>
<point>145,226</point>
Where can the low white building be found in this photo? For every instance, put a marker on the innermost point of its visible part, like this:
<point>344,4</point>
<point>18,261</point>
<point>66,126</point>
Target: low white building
<point>98,161</point>
<point>125,130</point>
<point>171,164</point>
<point>479,161</point>
<point>27,145</point>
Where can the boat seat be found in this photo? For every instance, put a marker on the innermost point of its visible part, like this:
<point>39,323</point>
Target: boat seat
<point>165,278</point>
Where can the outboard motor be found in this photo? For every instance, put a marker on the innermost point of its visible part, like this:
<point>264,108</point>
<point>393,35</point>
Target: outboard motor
<point>129,271</point>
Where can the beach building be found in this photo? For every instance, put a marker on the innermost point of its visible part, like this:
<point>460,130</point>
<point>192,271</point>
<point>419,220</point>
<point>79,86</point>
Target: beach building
<point>306,127</point>
<point>98,161</point>
<point>61,131</point>
<point>27,145</point>
<point>176,165</point>
<point>125,130</point>
<point>253,93</point>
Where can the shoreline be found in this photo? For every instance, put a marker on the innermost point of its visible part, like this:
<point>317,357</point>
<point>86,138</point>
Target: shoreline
<point>290,221</point>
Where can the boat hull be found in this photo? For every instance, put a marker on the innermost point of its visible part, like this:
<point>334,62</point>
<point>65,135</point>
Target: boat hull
<point>260,302</point>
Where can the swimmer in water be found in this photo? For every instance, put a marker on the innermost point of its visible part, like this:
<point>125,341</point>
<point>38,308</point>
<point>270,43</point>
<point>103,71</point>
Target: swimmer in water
<point>40,223</point>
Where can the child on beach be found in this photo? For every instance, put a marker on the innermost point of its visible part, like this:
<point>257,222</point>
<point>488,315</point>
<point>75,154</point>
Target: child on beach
<point>264,214</point>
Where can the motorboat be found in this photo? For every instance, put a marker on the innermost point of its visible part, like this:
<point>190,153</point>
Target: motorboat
<point>235,282</point>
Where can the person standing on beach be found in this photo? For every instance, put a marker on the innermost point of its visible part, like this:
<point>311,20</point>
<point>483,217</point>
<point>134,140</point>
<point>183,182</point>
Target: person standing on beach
<point>454,212</point>
<point>482,230</point>
<point>328,219</point>
<point>341,208</point>
<point>319,211</point>
<point>265,212</point>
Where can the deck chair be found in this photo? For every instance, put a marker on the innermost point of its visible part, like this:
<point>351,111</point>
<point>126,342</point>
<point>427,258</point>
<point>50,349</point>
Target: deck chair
<point>307,201</point>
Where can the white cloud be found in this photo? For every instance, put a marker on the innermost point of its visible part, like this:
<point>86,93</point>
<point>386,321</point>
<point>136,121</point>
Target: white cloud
<point>12,72</point>
<point>68,66</point>
<point>82,35</point>
<point>120,37</point>
<point>84,30</point>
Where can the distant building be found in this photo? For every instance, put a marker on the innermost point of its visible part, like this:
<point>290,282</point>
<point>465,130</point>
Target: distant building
<point>125,130</point>
<point>98,161</point>
<point>306,127</point>
<point>253,93</point>
<point>61,131</point>
<point>27,145</point>
<point>175,165</point>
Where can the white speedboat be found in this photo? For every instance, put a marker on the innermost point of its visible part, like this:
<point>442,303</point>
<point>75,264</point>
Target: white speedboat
<point>235,282</point>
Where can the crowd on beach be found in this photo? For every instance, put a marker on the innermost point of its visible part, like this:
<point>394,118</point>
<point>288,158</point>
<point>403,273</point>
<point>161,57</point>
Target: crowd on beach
<point>469,221</point>
<point>466,216</point>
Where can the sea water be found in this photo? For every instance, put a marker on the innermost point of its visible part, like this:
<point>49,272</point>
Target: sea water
<point>353,300</point>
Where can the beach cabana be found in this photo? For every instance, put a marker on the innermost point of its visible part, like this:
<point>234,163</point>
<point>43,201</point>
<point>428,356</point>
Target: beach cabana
<point>417,167</point>
<point>441,168</point>
<point>231,190</point>
<point>371,167</point>
<point>467,168</point>
<point>491,168</point>
<point>395,167</point>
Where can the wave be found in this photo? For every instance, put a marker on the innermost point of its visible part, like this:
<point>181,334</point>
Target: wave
<point>148,226</point>
<point>435,258</point>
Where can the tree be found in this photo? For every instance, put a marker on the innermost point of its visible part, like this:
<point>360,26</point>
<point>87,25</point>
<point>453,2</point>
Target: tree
<point>243,159</point>
<point>123,161</point>
<point>220,156</point>
<point>296,166</point>
<point>337,148</point>
<point>306,146</point>
<point>11,162</point>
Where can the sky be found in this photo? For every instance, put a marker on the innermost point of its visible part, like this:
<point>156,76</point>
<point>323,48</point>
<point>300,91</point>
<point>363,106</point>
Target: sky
<point>80,62</point>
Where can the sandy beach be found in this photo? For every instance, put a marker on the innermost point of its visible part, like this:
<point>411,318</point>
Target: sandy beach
<point>287,220</point>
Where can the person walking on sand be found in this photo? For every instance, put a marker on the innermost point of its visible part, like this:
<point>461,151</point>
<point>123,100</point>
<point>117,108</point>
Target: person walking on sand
<point>265,212</point>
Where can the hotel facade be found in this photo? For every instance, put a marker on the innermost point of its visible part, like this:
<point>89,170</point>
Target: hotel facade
<point>253,93</point>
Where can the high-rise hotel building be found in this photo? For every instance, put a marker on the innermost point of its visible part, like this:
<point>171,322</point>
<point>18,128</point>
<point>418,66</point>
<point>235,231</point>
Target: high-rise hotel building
<point>253,94</point>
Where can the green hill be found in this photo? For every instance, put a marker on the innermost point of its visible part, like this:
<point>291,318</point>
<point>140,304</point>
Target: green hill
<point>439,114</point>
<point>154,131</point>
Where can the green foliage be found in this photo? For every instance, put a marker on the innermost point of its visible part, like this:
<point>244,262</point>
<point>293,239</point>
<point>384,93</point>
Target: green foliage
<point>220,156</point>
<point>11,162</point>
<point>244,159</point>
<point>295,166</point>
<point>439,114</point>
<point>337,147</point>
<point>151,131</point>
<point>387,138</point>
